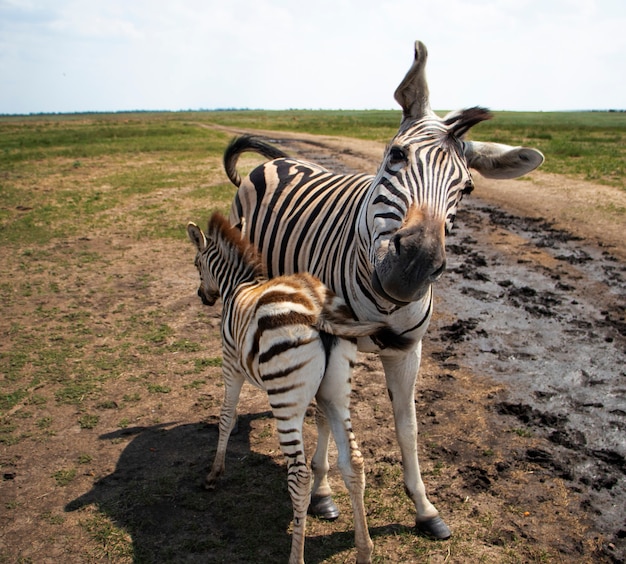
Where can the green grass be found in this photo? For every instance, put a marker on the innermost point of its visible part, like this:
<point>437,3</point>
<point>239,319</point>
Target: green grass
<point>97,164</point>
<point>65,476</point>
<point>376,125</point>
<point>83,137</point>
<point>113,542</point>
<point>100,162</point>
<point>591,144</point>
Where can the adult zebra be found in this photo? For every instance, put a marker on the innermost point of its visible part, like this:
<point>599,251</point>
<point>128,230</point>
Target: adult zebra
<point>376,241</point>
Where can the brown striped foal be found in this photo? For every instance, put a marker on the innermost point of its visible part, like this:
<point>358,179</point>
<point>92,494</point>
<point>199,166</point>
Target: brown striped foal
<point>295,339</point>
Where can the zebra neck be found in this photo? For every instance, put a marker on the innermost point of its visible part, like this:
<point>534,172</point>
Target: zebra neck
<point>240,273</point>
<point>230,294</point>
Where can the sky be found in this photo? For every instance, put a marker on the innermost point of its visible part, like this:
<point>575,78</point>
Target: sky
<point>121,55</point>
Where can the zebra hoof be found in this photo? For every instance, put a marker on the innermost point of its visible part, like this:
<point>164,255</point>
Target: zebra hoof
<point>434,528</point>
<point>323,507</point>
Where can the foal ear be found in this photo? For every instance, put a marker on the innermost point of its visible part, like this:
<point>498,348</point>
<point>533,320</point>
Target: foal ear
<point>196,236</point>
<point>494,160</point>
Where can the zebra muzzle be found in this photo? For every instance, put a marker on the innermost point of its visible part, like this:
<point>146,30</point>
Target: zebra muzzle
<point>207,299</point>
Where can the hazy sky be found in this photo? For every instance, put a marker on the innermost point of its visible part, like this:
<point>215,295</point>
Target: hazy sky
<point>109,55</point>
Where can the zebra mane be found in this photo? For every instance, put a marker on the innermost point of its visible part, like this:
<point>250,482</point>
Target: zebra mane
<point>225,235</point>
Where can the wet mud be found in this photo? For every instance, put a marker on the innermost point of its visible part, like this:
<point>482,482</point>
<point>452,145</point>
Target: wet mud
<point>543,312</point>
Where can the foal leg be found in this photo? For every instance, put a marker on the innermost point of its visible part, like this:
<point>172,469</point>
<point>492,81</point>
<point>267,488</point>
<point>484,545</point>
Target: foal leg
<point>228,417</point>
<point>298,475</point>
<point>298,483</point>
<point>289,398</point>
<point>334,400</point>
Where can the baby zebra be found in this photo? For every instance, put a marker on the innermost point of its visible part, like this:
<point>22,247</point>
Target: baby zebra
<point>292,337</point>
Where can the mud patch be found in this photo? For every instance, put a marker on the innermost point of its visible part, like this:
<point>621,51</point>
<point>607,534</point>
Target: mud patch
<point>546,319</point>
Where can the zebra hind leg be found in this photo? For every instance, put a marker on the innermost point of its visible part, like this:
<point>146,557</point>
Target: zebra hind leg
<point>228,419</point>
<point>322,504</point>
<point>298,477</point>
<point>299,482</point>
<point>334,400</point>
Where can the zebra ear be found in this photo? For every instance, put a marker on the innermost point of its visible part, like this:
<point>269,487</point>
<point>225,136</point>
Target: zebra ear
<point>460,122</point>
<point>412,93</point>
<point>494,160</point>
<point>196,236</point>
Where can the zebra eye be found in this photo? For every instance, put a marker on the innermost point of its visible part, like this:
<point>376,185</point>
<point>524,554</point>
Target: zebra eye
<point>449,223</point>
<point>397,158</point>
<point>469,187</point>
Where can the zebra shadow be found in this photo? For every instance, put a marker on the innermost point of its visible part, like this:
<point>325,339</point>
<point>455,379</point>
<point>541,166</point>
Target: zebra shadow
<point>155,497</point>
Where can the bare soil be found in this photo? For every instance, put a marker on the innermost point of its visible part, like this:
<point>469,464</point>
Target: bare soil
<point>521,403</point>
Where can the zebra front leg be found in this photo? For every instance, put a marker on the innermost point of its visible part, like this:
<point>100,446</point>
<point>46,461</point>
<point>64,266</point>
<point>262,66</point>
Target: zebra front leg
<point>228,419</point>
<point>401,375</point>
<point>322,504</point>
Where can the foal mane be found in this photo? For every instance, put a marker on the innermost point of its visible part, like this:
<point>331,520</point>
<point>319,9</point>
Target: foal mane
<point>229,237</point>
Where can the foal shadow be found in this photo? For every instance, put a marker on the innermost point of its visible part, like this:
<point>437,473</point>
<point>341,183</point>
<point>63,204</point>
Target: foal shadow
<point>155,495</point>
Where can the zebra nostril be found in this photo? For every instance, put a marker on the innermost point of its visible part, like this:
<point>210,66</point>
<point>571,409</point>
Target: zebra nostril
<point>437,273</point>
<point>204,298</point>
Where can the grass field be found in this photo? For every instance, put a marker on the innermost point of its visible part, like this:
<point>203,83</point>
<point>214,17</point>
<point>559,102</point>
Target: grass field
<point>91,208</point>
<point>100,159</point>
<point>591,144</point>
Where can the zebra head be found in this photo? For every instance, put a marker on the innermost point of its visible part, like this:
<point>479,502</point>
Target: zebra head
<point>208,291</point>
<point>225,258</point>
<point>423,176</point>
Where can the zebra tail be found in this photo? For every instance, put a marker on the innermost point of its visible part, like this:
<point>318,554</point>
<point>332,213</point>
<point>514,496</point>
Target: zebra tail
<point>383,335</point>
<point>243,144</point>
<point>387,338</point>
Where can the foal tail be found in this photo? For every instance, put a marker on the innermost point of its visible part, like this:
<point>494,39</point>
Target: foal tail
<point>243,144</point>
<point>337,320</point>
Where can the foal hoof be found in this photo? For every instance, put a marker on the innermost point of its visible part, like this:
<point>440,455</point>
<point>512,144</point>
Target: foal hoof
<point>323,507</point>
<point>434,528</point>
